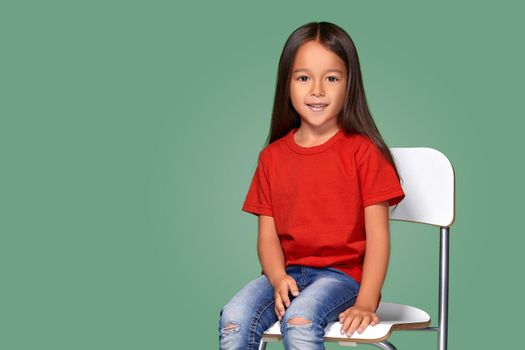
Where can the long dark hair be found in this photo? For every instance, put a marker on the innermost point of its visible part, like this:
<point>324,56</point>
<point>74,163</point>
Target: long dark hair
<point>355,117</point>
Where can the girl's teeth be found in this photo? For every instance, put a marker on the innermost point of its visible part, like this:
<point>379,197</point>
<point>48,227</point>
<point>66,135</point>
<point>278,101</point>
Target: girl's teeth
<point>317,107</point>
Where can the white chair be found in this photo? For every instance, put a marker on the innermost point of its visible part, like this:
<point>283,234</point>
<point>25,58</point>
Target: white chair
<point>427,178</point>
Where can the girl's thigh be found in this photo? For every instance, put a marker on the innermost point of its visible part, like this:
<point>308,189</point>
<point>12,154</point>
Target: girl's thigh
<point>250,311</point>
<point>329,293</point>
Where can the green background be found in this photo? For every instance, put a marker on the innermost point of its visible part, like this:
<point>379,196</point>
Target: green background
<point>130,132</point>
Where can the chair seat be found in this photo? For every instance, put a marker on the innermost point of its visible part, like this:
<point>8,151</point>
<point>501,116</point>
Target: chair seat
<point>391,317</point>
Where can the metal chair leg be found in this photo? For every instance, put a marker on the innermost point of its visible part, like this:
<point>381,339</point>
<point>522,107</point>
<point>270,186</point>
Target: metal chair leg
<point>443,288</point>
<point>262,345</point>
<point>386,345</point>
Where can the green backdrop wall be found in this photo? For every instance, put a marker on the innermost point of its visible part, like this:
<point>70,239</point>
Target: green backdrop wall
<point>129,135</point>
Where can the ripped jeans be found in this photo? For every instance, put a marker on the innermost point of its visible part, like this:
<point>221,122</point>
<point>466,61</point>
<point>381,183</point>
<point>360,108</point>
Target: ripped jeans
<point>323,294</point>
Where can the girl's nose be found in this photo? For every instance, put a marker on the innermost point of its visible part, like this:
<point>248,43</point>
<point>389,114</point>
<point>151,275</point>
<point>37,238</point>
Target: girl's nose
<point>317,89</point>
<point>317,93</point>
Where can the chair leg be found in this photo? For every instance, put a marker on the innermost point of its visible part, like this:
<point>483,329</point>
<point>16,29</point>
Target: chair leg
<point>385,345</point>
<point>262,345</point>
<point>443,288</point>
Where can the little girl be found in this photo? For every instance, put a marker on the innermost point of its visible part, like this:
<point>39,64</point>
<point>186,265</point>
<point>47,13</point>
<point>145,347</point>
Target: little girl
<point>321,190</point>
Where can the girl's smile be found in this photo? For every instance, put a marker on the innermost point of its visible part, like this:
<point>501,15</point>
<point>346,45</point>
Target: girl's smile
<point>317,107</point>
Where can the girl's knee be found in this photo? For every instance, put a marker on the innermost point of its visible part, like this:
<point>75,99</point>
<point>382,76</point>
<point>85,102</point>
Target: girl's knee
<point>298,321</point>
<point>301,331</point>
<point>239,328</point>
<point>230,328</point>
<point>302,322</point>
<point>229,324</point>
<point>231,319</point>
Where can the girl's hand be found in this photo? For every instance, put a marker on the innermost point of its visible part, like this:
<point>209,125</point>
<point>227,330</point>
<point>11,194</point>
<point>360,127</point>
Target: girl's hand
<point>281,289</point>
<point>357,317</point>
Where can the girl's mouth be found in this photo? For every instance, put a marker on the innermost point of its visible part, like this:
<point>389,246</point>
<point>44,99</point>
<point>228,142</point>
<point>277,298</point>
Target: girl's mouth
<point>317,107</point>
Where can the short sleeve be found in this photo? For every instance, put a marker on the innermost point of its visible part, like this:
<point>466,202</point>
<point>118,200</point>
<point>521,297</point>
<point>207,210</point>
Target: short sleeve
<point>258,199</point>
<point>377,178</point>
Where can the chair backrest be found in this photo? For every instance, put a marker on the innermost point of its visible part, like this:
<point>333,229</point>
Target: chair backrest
<point>428,180</point>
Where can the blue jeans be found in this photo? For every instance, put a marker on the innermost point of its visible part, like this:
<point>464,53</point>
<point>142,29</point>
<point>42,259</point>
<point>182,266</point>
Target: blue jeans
<point>323,294</point>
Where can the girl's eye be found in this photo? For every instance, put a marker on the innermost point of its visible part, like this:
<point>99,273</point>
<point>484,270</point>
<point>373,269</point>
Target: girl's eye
<point>300,78</point>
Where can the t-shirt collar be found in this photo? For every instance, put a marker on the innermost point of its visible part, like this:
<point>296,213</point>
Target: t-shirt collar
<point>314,149</point>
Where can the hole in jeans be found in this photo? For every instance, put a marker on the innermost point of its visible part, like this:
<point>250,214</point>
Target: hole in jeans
<point>299,322</point>
<point>230,328</point>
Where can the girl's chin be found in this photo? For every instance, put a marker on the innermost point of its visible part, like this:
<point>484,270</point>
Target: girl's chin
<point>324,113</point>
<point>319,121</point>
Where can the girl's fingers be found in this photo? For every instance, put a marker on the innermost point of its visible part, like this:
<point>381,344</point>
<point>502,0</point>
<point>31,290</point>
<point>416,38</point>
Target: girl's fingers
<point>353,326</point>
<point>293,287</point>
<point>352,322</point>
<point>346,323</point>
<point>279,305</point>
<point>364,324</point>
<point>279,317</point>
<point>284,296</point>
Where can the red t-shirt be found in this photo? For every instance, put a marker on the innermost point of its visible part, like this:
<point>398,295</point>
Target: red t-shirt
<point>316,196</point>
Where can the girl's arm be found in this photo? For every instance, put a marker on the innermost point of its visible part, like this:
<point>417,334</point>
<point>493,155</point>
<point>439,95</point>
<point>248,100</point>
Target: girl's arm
<point>269,250</point>
<point>376,256</point>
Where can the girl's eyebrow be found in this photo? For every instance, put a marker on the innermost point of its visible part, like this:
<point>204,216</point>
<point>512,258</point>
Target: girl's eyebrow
<point>328,70</point>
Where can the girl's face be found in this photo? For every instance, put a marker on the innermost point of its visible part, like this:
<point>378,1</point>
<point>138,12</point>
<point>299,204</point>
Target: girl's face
<point>318,77</point>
